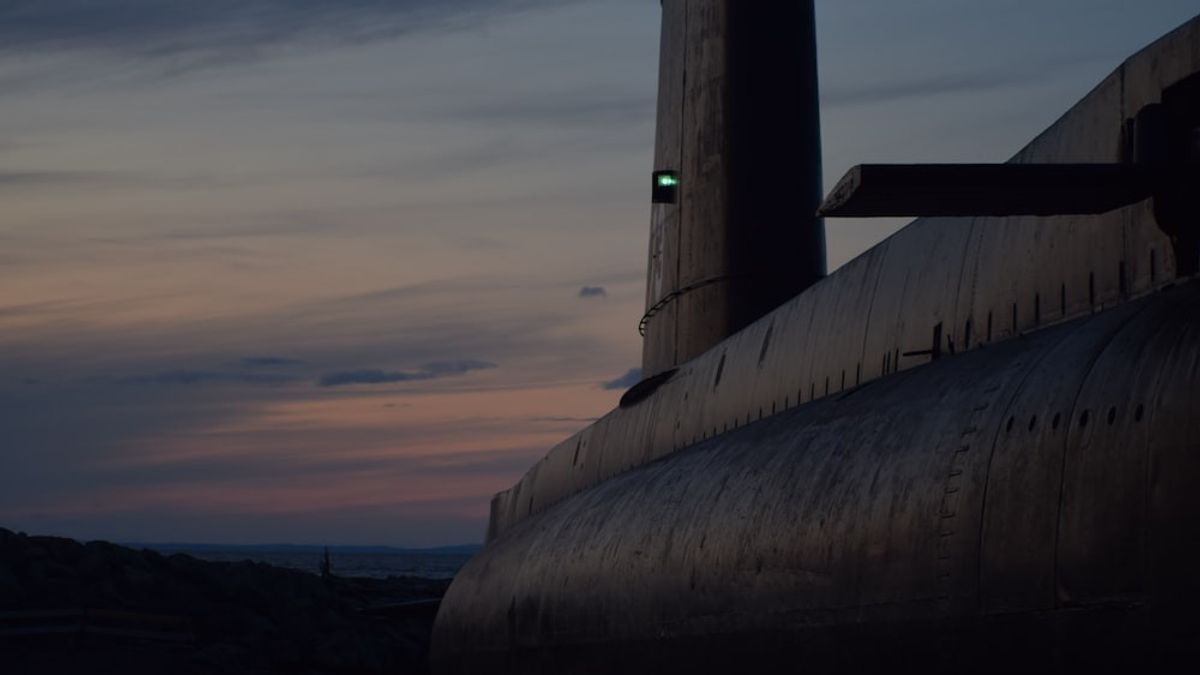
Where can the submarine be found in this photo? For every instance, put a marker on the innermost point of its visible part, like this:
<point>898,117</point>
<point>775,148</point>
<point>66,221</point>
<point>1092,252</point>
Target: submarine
<point>975,447</point>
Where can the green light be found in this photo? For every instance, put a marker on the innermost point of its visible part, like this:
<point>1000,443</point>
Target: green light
<point>666,187</point>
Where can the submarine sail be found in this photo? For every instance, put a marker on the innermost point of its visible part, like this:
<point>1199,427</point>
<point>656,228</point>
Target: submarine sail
<point>739,139</point>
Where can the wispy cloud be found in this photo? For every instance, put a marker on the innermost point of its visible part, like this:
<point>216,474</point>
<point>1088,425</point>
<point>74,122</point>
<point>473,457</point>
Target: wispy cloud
<point>442,368</point>
<point>41,307</point>
<point>199,377</point>
<point>837,94</point>
<point>565,420</point>
<point>979,81</point>
<point>625,381</point>
<point>26,179</point>
<point>429,371</point>
<point>269,362</point>
<point>564,108</point>
<point>71,178</point>
<point>218,30</point>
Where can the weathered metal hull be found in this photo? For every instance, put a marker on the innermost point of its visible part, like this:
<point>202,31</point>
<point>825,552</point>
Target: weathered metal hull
<point>1030,503</point>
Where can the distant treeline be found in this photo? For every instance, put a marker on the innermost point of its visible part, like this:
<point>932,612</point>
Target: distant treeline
<point>171,547</point>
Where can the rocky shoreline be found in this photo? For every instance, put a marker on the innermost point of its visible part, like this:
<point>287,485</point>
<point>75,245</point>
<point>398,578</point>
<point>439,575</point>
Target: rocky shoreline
<point>98,607</point>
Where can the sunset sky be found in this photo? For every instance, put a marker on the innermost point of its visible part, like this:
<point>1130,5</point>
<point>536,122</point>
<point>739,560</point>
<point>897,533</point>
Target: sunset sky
<point>335,271</point>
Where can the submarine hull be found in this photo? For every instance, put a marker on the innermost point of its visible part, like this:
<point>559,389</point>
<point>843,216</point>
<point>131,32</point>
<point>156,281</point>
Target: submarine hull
<point>1026,505</point>
<point>974,447</point>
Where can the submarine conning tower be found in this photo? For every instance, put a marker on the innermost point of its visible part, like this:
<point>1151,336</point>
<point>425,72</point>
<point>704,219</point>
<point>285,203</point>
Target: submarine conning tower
<point>737,173</point>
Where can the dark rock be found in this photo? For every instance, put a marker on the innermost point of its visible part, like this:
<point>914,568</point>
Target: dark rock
<point>245,617</point>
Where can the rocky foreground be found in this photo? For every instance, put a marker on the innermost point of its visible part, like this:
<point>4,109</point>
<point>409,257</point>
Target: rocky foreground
<point>100,608</point>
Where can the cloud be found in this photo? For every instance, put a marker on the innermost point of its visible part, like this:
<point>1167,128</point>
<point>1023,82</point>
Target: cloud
<point>583,106</point>
<point>593,292</point>
<point>430,371</point>
<point>224,30</point>
<point>23,179</point>
<point>269,362</point>
<point>372,376</point>
<point>69,178</point>
<point>625,381</point>
<point>961,83</point>
<point>565,420</point>
<point>197,377</point>
<point>441,368</point>
<point>947,83</point>
<point>191,402</point>
<point>34,308</point>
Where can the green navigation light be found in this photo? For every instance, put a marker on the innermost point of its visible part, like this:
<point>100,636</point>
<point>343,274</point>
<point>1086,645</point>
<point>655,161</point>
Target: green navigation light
<point>666,187</point>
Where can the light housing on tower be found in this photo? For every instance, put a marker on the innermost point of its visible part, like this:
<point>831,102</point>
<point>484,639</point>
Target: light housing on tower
<point>666,187</point>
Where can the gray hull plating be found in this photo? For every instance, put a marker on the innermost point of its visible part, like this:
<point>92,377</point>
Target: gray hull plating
<point>942,511</point>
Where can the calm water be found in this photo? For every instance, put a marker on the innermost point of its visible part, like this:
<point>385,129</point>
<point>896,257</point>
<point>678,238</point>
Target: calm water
<point>377,565</point>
